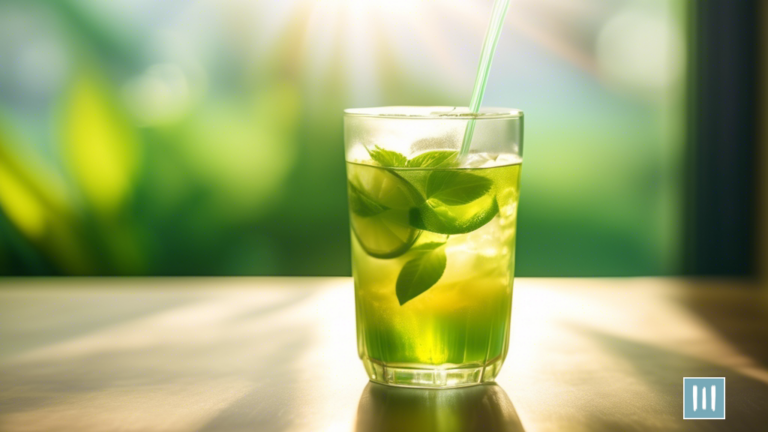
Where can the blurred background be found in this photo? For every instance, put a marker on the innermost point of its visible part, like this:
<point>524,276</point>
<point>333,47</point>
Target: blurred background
<point>141,137</point>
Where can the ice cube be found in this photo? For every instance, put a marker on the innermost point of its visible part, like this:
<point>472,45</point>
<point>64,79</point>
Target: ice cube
<point>477,160</point>
<point>507,159</point>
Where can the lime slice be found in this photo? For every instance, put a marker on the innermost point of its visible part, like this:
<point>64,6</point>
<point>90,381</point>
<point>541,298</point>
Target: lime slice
<point>385,235</point>
<point>380,201</point>
<point>438,217</point>
<point>384,187</point>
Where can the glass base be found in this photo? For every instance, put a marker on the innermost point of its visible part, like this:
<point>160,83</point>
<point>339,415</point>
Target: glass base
<point>424,376</point>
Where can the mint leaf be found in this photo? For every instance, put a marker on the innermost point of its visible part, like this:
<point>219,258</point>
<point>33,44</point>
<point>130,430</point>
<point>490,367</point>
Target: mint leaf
<point>437,158</point>
<point>387,158</point>
<point>457,187</point>
<point>428,246</point>
<point>422,272</point>
<point>440,219</point>
<point>361,205</point>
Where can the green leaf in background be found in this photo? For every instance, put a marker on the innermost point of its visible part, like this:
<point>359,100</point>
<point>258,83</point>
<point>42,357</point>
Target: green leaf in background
<point>457,187</point>
<point>21,205</point>
<point>388,158</point>
<point>361,205</point>
<point>433,159</point>
<point>443,219</point>
<point>421,272</point>
<point>99,143</point>
<point>32,199</point>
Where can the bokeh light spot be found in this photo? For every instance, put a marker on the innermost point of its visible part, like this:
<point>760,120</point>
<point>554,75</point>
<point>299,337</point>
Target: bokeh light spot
<point>640,51</point>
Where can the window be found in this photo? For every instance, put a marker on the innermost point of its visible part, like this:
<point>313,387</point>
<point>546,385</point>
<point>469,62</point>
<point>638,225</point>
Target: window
<point>205,137</point>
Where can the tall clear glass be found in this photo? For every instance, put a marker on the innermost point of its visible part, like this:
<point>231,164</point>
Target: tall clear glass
<point>433,241</point>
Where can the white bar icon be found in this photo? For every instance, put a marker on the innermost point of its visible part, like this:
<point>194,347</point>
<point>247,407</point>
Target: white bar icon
<point>695,394</point>
<point>697,404</point>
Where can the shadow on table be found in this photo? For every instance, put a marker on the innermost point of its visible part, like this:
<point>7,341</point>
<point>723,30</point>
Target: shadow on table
<point>177,373</point>
<point>484,408</point>
<point>738,314</point>
<point>662,371</point>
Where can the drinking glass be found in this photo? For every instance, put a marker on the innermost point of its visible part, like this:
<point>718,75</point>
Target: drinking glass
<point>433,241</point>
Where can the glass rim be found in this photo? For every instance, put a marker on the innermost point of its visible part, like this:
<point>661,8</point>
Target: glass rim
<point>433,113</point>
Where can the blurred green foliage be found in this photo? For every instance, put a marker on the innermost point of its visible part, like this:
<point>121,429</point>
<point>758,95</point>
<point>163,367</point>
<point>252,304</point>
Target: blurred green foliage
<point>205,138</point>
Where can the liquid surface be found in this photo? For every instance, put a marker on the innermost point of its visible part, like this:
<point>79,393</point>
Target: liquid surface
<point>433,261</point>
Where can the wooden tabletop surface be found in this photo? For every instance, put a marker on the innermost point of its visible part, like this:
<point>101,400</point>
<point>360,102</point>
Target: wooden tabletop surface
<point>279,354</point>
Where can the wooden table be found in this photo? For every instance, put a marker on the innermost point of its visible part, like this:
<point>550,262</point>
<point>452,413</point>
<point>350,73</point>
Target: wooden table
<point>276,354</point>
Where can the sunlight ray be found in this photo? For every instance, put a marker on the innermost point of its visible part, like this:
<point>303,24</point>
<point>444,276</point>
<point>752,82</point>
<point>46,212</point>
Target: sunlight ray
<point>518,23</point>
<point>319,43</point>
<point>360,61</point>
<point>272,19</point>
<point>432,45</point>
<point>554,44</point>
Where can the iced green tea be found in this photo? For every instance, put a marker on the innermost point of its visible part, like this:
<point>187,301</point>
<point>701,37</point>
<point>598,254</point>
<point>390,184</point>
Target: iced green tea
<point>433,252</point>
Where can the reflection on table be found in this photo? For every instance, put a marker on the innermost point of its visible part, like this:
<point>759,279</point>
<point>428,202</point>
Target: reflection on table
<point>484,408</point>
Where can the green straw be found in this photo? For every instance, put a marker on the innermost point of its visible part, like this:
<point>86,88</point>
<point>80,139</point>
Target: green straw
<point>484,68</point>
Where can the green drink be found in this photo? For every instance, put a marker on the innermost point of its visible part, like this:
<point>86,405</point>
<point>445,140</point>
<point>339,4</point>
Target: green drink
<point>433,238</point>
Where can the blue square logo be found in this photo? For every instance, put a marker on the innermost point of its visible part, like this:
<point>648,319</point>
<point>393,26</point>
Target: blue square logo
<point>704,398</point>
